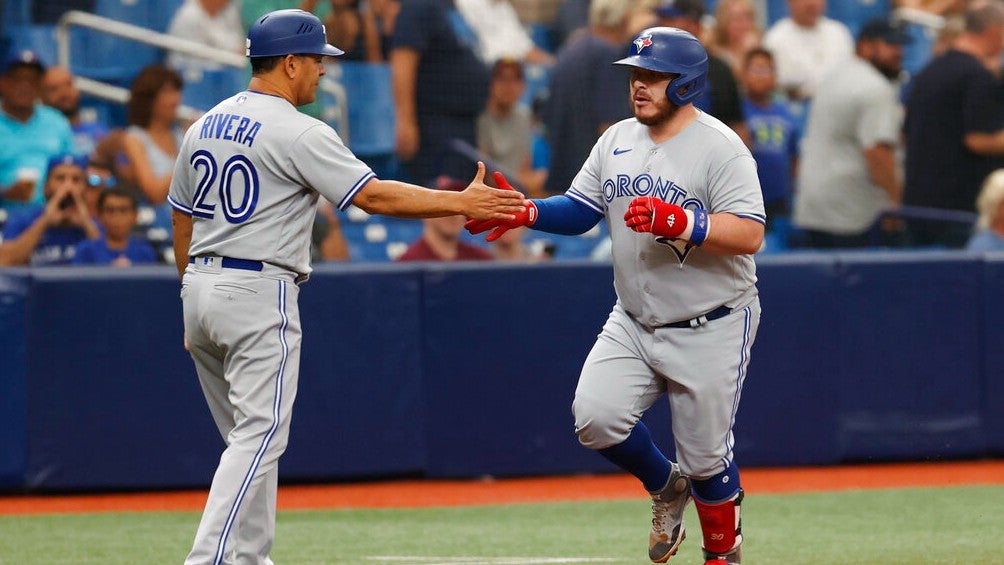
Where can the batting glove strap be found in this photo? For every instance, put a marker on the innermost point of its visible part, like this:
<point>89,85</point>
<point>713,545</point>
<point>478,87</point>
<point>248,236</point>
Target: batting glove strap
<point>649,214</point>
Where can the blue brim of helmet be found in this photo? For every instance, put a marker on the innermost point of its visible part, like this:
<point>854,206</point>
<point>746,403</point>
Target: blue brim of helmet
<point>643,62</point>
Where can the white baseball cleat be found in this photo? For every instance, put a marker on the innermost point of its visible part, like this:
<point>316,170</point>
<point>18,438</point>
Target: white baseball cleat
<point>668,504</point>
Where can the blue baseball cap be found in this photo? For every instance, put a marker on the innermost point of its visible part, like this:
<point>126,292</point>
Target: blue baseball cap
<point>885,30</point>
<point>66,159</point>
<point>24,58</point>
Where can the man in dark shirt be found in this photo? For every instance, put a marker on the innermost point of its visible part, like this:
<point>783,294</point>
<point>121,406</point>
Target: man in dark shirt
<point>586,92</point>
<point>440,239</point>
<point>954,121</point>
<point>721,98</point>
<point>440,85</point>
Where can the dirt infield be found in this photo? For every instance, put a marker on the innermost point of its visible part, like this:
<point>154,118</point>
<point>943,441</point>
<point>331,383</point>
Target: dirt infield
<point>419,493</point>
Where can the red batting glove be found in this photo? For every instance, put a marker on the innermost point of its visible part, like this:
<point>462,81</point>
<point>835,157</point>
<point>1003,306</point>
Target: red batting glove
<point>649,214</point>
<point>525,218</point>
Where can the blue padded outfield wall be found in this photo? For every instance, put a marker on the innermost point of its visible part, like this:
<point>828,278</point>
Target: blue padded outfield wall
<point>460,370</point>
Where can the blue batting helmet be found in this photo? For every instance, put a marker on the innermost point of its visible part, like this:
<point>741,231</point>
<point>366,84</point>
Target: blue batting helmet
<point>288,32</point>
<point>671,50</point>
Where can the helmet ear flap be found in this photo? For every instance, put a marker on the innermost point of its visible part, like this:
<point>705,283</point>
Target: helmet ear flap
<point>683,94</point>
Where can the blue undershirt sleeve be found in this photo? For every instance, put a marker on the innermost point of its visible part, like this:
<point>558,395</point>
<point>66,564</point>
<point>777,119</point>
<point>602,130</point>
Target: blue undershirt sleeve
<point>562,215</point>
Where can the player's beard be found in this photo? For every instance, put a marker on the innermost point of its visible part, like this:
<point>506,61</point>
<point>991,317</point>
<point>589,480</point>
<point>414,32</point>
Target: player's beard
<point>665,110</point>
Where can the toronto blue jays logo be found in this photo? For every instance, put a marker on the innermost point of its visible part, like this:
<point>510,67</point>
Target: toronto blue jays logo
<point>643,42</point>
<point>629,186</point>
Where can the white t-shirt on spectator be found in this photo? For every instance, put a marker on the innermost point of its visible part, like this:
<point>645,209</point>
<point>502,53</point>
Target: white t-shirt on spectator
<point>222,31</point>
<point>803,55</point>
<point>500,33</point>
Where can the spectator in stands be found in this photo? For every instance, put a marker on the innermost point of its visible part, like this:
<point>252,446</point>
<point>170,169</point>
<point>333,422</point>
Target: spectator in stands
<point>117,212</point>
<point>346,28</point>
<point>937,7</point>
<point>955,127</point>
<point>152,138</point>
<point>30,133</point>
<point>59,92</point>
<point>735,32</point>
<point>989,234</point>
<point>572,16</point>
<point>380,15</point>
<point>504,129</point>
<point>499,32</point>
<point>328,243</point>
<point>48,233</point>
<point>586,90</point>
<point>721,98</point>
<point>440,239</point>
<point>512,247</point>
<point>848,174</point>
<point>440,85</point>
<point>213,23</point>
<point>251,10</point>
<point>806,45</point>
<point>773,135</point>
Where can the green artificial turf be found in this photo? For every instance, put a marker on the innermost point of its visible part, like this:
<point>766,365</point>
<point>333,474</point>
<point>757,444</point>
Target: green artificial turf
<point>944,526</point>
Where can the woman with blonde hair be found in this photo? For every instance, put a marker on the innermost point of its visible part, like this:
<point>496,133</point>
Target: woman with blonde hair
<point>735,32</point>
<point>989,234</point>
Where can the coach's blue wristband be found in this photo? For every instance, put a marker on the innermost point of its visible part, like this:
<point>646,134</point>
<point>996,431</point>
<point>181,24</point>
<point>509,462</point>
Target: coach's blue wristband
<point>701,223</point>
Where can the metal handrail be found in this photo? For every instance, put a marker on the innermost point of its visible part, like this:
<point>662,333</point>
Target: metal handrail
<point>913,15</point>
<point>140,34</point>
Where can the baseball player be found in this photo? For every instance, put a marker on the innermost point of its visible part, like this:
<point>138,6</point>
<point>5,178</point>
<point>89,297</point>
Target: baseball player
<point>244,194</point>
<point>680,194</point>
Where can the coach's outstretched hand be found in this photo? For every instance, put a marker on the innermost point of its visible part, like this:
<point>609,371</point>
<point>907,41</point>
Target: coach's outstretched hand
<point>492,204</point>
<point>525,217</point>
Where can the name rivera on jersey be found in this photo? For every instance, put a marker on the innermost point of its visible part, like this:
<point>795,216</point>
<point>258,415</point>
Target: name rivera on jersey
<point>232,127</point>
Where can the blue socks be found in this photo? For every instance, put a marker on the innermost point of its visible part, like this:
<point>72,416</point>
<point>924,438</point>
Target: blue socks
<point>721,487</point>
<point>639,456</point>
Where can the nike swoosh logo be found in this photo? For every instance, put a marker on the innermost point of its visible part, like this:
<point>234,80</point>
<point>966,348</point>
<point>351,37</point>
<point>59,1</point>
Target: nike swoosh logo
<point>620,151</point>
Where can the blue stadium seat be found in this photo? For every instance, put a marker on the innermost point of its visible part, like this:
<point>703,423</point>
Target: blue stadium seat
<point>918,53</point>
<point>540,33</point>
<point>40,38</point>
<point>205,88</point>
<point>776,10</point>
<point>370,106</point>
<point>538,78</point>
<point>14,13</point>
<point>107,57</point>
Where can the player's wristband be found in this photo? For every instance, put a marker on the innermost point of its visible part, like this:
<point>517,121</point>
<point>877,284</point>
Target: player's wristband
<point>701,222</point>
<point>698,225</point>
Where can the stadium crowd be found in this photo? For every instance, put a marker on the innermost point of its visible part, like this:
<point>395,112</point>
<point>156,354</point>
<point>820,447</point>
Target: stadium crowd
<point>875,124</point>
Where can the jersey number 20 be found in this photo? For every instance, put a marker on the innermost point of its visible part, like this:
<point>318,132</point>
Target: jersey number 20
<point>234,210</point>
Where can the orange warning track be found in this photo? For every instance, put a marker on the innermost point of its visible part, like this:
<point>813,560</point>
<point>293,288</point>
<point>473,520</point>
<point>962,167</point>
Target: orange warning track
<point>422,493</point>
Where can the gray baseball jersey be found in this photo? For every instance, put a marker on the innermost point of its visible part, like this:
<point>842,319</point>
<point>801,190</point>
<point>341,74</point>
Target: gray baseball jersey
<point>250,175</point>
<point>707,166</point>
<point>659,281</point>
